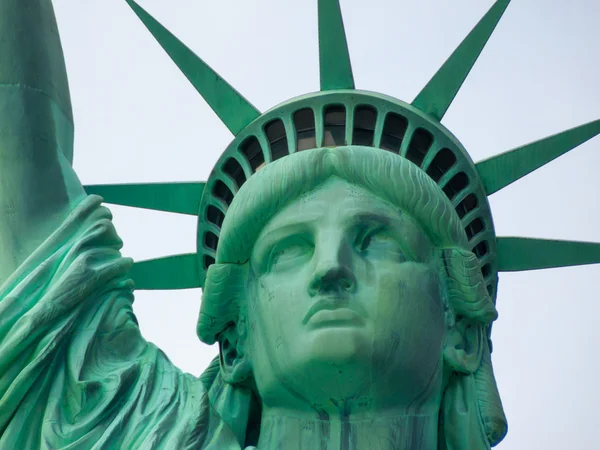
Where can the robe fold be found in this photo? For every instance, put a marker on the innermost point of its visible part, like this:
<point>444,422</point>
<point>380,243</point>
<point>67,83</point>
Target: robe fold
<point>75,372</point>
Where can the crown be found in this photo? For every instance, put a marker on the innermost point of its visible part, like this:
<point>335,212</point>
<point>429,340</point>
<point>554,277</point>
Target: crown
<point>337,115</point>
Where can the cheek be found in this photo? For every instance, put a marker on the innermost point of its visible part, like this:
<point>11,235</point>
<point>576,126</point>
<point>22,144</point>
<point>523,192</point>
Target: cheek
<point>276,345</point>
<point>277,311</point>
<point>408,321</point>
<point>408,294</point>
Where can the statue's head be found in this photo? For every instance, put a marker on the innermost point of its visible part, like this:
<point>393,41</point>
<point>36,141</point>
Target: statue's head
<point>343,285</point>
<point>358,278</point>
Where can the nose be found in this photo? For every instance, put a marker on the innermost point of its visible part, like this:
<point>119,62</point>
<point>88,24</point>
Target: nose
<point>333,271</point>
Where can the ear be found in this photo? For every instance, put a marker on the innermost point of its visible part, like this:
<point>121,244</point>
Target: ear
<point>235,366</point>
<point>463,346</point>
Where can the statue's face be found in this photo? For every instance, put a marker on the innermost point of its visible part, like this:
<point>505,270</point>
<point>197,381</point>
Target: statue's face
<point>345,307</point>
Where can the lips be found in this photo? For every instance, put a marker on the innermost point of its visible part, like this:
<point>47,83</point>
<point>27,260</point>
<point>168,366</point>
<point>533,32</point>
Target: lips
<point>332,312</point>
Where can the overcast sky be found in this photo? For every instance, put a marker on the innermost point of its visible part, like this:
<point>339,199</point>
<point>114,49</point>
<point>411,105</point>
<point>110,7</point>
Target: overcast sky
<point>139,120</point>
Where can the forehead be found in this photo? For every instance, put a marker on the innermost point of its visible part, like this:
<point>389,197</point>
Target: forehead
<point>337,203</point>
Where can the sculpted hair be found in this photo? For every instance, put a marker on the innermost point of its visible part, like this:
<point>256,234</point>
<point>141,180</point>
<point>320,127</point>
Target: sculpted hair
<point>386,175</point>
<point>391,178</point>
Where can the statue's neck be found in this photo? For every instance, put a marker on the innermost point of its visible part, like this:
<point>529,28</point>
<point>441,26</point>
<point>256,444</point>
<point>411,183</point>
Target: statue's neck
<point>386,432</point>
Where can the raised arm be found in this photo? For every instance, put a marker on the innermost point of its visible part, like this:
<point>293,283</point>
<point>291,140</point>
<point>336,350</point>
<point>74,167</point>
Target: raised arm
<point>75,371</point>
<point>37,184</point>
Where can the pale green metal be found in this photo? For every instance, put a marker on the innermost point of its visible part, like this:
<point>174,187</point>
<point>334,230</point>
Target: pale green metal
<point>517,254</point>
<point>168,273</point>
<point>36,64</point>
<point>501,170</point>
<point>314,233</point>
<point>220,190</point>
<point>182,198</point>
<point>301,321</point>
<point>436,97</point>
<point>231,107</point>
<point>334,57</point>
<point>37,183</point>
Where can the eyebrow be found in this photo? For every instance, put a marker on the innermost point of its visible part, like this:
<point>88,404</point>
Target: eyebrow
<point>389,218</point>
<point>372,217</point>
<point>382,217</point>
<point>271,236</point>
<point>292,224</point>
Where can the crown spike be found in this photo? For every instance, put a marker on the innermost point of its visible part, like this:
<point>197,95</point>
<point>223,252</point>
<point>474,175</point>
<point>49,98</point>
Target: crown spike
<point>437,96</point>
<point>517,254</point>
<point>181,198</point>
<point>233,109</point>
<point>170,272</point>
<point>501,170</point>
<point>334,58</point>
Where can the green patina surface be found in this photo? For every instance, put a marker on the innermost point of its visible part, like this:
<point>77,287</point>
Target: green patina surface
<point>346,251</point>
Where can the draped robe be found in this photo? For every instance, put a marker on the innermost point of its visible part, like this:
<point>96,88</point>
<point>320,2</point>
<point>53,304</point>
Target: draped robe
<point>75,372</point>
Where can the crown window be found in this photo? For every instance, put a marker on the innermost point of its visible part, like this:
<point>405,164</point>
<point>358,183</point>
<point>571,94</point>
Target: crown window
<point>215,216</point>
<point>304,122</point>
<point>365,118</point>
<point>456,184</point>
<point>474,228</point>
<point>276,135</point>
<point>222,192</point>
<point>253,153</point>
<point>394,130</point>
<point>442,162</point>
<point>211,240</point>
<point>467,205</point>
<point>335,126</point>
<point>234,170</point>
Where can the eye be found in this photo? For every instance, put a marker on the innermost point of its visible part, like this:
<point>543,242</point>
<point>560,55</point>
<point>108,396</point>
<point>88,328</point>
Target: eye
<point>365,236</point>
<point>290,253</point>
<point>379,243</point>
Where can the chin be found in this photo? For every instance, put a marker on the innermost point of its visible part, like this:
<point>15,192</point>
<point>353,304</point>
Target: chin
<point>340,346</point>
<point>338,358</point>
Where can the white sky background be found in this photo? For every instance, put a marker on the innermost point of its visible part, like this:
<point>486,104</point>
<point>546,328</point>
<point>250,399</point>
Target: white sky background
<point>139,120</point>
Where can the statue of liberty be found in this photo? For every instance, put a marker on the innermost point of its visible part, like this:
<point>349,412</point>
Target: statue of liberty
<point>346,251</point>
